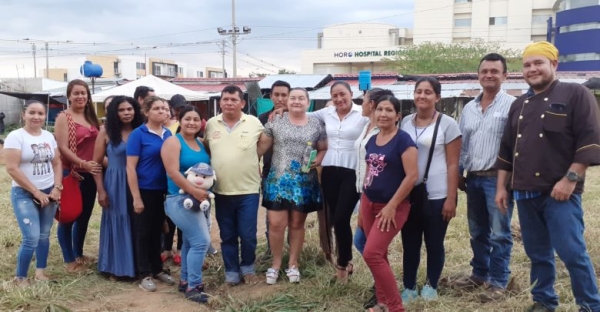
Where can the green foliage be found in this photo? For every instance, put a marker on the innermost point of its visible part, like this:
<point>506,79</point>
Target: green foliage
<point>284,71</point>
<point>440,58</point>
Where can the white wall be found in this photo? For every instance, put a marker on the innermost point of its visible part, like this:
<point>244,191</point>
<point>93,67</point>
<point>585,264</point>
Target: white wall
<point>434,21</point>
<point>364,35</point>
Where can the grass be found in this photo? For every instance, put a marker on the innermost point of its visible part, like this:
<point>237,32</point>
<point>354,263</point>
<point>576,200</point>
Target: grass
<point>314,293</point>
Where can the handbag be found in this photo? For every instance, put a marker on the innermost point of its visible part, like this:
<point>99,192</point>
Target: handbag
<point>71,202</point>
<point>419,195</point>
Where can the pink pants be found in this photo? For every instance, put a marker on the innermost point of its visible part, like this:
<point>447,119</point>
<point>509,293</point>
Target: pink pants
<point>376,251</point>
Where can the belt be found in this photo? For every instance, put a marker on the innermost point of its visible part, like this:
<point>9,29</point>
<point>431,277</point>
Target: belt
<point>484,173</point>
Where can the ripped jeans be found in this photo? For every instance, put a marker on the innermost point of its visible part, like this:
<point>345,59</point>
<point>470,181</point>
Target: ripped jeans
<point>35,224</point>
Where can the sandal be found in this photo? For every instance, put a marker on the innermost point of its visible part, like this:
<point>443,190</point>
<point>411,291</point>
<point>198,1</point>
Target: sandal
<point>343,279</point>
<point>76,268</point>
<point>350,268</point>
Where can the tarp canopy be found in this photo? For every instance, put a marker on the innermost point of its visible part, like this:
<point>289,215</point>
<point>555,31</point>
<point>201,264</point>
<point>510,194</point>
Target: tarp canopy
<point>162,88</point>
<point>42,97</point>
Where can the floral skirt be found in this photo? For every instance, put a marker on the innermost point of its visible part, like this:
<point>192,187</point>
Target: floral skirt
<point>292,190</point>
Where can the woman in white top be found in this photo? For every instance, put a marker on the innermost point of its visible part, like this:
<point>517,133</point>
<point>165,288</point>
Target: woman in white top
<point>31,160</point>
<point>430,218</point>
<point>344,122</point>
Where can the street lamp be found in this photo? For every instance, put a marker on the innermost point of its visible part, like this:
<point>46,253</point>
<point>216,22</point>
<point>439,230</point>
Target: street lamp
<point>234,32</point>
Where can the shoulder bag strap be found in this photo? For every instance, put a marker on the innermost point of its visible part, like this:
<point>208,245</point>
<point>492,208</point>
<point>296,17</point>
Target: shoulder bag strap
<point>435,131</point>
<point>72,142</point>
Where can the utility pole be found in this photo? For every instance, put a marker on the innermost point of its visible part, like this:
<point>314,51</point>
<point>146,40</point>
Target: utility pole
<point>47,61</point>
<point>34,61</point>
<point>234,32</point>
<point>234,38</point>
<point>222,46</point>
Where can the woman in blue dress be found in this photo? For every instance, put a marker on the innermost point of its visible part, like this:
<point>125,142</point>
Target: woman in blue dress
<point>289,193</point>
<point>116,248</point>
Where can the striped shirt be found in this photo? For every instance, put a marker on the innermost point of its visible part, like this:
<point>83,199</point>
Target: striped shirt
<point>482,132</point>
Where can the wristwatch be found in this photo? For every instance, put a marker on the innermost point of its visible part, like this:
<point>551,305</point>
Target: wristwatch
<point>572,176</point>
<point>59,187</point>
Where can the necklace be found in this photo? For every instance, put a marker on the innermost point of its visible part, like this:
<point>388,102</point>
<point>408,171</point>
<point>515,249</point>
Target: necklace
<point>418,135</point>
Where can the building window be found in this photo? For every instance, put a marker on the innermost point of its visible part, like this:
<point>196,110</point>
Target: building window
<point>575,4</point>
<point>579,27</point>
<point>157,70</point>
<point>462,22</point>
<point>579,57</point>
<point>199,74</point>
<point>181,70</point>
<point>501,20</point>
<point>65,77</point>
<point>140,66</point>
<point>539,19</point>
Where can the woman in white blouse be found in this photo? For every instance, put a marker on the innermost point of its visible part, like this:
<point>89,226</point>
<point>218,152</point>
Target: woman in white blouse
<point>344,122</point>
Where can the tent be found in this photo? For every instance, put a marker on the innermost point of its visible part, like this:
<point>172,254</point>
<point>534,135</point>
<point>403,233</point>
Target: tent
<point>161,87</point>
<point>56,104</point>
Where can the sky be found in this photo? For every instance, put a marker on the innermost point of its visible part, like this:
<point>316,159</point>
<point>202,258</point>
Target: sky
<point>180,30</point>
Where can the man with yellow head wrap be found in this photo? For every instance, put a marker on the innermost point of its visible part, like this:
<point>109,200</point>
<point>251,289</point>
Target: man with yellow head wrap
<point>550,139</point>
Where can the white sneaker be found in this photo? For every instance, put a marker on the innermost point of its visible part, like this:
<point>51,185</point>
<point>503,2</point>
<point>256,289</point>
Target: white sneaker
<point>272,275</point>
<point>293,274</point>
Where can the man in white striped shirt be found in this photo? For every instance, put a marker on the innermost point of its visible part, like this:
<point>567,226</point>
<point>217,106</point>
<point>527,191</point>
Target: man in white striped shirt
<point>482,123</point>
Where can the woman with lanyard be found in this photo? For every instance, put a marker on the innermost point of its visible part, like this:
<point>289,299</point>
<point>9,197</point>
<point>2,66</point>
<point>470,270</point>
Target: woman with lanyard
<point>429,217</point>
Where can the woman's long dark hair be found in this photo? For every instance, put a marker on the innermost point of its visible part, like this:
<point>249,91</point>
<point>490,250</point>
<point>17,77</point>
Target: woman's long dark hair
<point>89,112</point>
<point>186,109</point>
<point>114,125</point>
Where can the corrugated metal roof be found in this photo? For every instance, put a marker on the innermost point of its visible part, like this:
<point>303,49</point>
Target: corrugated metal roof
<point>324,93</point>
<point>374,81</point>
<point>213,87</point>
<point>309,82</point>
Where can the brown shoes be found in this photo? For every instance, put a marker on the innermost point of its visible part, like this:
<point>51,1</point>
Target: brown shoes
<point>492,293</point>
<point>468,283</point>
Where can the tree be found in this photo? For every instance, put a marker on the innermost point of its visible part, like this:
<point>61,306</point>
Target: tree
<point>440,58</point>
<point>284,71</point>
<point>257,75</point>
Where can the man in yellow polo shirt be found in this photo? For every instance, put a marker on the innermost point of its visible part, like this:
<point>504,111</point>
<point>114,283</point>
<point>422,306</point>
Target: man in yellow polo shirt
<point>232,138</point>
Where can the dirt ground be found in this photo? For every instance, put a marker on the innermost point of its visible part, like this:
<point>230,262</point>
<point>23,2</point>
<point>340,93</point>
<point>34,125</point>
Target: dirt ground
<point>132,298</point>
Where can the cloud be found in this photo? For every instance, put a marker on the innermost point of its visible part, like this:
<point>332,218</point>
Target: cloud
<point>183,30</point>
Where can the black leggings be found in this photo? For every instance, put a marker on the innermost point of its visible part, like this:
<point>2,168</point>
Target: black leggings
<point>339,189</point>
<point>425,222</point>
<point>168,239</point>
<point>146,228</point>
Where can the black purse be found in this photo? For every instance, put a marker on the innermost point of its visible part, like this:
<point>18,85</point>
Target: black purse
<point>419,197</point>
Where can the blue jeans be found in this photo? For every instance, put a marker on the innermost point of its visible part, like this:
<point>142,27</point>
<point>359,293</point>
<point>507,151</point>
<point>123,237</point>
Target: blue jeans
<point>71,236</point>
<point>237,217</point>
<point>360,240</point>
<point>491,239</point>
<point>35,224</point>
<point>548,225</point>
<point>196,238</point>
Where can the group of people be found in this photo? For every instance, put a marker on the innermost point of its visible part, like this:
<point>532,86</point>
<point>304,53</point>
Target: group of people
<point>404,171</point>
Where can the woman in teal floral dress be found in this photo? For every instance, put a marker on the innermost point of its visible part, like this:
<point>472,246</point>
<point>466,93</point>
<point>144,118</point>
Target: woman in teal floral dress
<point>290,194</point>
